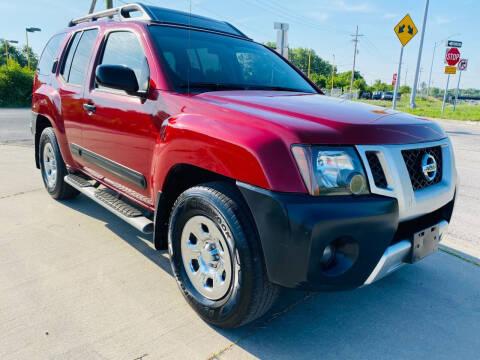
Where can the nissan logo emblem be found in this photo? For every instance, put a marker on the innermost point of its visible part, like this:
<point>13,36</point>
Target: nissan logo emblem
<point>429,167</point>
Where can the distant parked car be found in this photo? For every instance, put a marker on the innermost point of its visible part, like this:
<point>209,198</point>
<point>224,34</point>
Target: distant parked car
<point>387,95</point>
<point>366,95</point>
<point>377,95</point>
<point>347,96</point>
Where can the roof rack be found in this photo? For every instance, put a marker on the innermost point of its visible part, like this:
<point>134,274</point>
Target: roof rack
<point>124,12</point>
<point>155,14</point>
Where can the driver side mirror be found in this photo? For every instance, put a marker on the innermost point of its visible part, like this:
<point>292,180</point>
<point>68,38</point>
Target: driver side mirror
<point>117,77</point>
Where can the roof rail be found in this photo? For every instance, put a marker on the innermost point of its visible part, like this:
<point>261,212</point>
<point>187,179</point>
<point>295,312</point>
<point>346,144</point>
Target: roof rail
<point>124,12</point>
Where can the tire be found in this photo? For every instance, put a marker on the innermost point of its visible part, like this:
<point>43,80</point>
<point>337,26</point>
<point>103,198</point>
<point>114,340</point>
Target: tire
<point>248,293</point>
<point>53,167</point>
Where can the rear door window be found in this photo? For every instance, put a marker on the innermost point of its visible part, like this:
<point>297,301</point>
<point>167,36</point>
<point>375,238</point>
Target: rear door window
<point>45,65</point>
<point>67,64</point>
<point>78,57</point>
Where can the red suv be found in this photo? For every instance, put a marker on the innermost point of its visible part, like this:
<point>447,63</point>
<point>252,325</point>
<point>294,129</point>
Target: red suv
<point>252,178</point>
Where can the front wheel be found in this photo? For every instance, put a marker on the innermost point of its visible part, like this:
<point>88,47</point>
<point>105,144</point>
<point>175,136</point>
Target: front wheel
<point>52,167</point>
<point>216,256</point>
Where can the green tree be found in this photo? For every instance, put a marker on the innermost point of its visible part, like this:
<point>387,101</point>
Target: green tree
<point>378,85</point>
<point>271,44</point>
<point>16,84</point>
<point>17,54</point>
<point>299,57</point>
<point>404,89</point>
<point>342,80</point>
<point>319,80</point>
<point>360,84</point>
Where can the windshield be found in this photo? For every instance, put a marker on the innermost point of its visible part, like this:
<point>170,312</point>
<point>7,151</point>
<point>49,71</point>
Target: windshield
<point>198,61</point>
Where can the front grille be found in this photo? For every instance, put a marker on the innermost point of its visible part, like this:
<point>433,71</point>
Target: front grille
<point>377,170</point>
<point>413,161</point>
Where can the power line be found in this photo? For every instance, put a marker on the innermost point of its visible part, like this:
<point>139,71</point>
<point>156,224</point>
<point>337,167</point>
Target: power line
<point>290,15</point>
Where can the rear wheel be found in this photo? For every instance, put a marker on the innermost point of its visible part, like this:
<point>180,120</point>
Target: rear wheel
<point>216,257</point>
<point>52,167</point>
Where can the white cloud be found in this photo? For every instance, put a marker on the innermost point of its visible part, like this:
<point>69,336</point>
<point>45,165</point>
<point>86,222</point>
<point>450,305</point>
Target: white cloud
<point>318,16</point>
<point>441,20</point>
<point>246,19</point>
<point>344,6</point>
<point>390,15</point>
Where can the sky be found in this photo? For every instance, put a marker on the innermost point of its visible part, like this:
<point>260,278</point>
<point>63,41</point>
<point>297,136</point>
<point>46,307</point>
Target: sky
<point>322,25</point>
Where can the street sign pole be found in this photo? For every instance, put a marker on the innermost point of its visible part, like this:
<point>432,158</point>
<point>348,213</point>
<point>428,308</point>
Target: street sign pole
<point>28,51</point>
<point>456,93</point>
<point>445,94</point>
<point>397,82</point>
<point>419,58</point>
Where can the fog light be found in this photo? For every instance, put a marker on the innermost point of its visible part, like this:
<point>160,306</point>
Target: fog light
<point>327,256</point>
<point>356,183</point>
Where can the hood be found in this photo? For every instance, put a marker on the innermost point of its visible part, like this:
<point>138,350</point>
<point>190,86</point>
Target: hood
<point>319,119</point>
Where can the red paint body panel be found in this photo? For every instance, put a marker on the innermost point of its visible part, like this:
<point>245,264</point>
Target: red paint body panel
<point>244,135</point>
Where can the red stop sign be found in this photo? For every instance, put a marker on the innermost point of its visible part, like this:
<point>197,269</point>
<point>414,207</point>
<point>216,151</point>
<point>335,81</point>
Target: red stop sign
<point>452,56</point>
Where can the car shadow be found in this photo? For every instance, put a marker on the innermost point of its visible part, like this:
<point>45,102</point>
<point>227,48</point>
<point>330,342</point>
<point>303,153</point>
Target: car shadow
<point>427,310</point>
<point>141,242</point>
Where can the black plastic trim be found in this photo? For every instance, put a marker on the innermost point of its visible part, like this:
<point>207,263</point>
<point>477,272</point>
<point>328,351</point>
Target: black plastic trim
<point>160,223</point>
<point>294,229</point>
<point>123,172</point>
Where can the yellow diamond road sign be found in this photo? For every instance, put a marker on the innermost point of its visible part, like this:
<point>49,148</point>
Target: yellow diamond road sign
<point>405,30</point>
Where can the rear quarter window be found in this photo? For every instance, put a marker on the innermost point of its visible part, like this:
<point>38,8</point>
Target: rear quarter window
<point>78,56</point>
<point>50,52</point>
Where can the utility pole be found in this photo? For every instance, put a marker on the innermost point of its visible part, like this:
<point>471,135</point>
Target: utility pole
<point>397,81</point>
<point>419,78</point>
<point>431,68</point>
<point>456,93</point>
<point>445,94</point>
<point>333,73</point>
<point>355,41</point>
<point>92,6</point>
<point>419,58</point>
<point>309,55</point>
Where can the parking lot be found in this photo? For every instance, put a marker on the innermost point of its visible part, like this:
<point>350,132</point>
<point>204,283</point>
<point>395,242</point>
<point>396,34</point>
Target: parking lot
<point>78,283</point>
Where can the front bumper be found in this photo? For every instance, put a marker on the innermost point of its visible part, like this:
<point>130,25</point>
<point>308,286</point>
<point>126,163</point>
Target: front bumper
<point>398,255</point>
<point>371,241</point>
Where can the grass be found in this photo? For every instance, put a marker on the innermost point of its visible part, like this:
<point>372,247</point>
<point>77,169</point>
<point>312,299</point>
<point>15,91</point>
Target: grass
<point>432,108</point>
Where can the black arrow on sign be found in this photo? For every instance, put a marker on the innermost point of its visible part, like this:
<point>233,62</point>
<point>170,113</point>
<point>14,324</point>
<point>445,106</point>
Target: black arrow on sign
<point>410,30</point>
<point>400,28</point>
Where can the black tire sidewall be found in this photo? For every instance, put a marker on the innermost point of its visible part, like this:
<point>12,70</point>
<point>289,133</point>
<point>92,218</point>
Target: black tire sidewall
<point>229,310</point>
<point>48,136</point>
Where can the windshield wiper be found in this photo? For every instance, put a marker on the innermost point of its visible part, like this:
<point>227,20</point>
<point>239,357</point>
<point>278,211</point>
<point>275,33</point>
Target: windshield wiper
<point>213,86</point>
<point>273,88</point>
<point>220,86</point>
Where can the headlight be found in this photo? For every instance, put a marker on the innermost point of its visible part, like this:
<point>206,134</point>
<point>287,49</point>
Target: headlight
<point>330,170</point>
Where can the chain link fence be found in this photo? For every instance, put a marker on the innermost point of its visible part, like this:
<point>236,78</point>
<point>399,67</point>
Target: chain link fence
<point>338,92</point>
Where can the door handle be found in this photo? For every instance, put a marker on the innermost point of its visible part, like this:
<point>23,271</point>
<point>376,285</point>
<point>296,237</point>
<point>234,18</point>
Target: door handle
<point>90,108</point>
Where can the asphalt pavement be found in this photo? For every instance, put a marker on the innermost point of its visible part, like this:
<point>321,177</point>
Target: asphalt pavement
<point>78,283</point>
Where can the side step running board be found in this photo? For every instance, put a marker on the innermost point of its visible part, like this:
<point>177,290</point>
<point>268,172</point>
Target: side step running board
<point>123,210</point>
